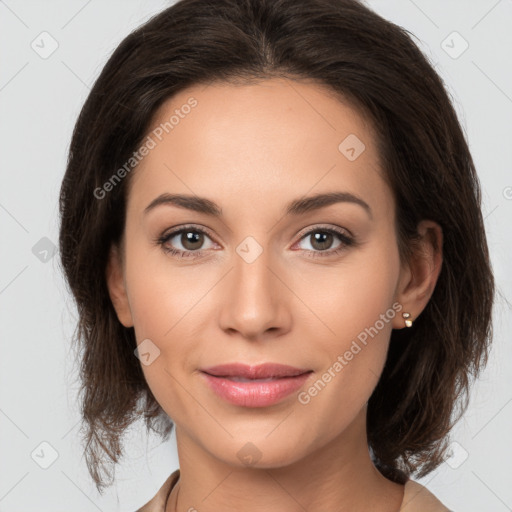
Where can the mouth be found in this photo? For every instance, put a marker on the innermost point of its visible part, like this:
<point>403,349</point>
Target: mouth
<point>234,378</point>
<point>261,371</point>
<point>254,386</point>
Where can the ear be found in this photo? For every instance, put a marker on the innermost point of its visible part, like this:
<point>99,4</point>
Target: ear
<point>418,277</point>
<point>117,287</point>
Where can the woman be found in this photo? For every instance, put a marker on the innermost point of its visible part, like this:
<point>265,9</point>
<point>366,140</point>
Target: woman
<point>271,226</point>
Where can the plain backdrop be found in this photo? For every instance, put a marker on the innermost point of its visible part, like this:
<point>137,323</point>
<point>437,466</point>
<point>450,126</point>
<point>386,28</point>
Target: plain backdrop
<point>42,88</point>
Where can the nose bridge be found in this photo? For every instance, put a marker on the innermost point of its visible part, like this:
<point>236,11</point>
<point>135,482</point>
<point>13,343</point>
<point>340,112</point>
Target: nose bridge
<point>254,300</point>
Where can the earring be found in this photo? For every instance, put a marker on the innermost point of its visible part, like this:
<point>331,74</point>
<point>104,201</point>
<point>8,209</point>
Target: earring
<point>408,322</point>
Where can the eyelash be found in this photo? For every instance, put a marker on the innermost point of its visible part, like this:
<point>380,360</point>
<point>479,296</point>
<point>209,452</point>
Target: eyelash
<point>346,240</point>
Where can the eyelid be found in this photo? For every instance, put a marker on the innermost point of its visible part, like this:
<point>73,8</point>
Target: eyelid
<point>346,237</point>
<point>327,227</point>
<point>301,234</point>
<point>172,232</point>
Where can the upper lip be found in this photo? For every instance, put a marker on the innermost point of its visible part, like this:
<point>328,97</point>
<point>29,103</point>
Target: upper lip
<point>261,371</point>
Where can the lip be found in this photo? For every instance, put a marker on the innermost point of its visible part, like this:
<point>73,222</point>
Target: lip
<point>280,381</point>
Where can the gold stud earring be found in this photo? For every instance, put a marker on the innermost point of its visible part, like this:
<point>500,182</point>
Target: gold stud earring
<point>408,322</point>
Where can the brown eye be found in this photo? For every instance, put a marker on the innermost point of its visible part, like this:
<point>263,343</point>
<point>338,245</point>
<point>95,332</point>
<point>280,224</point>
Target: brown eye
<point>185,242</point>
<point>192,240</point>
<point>321,240</point>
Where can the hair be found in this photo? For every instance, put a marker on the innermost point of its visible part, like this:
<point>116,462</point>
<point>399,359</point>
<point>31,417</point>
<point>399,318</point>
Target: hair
<point>375,65</point>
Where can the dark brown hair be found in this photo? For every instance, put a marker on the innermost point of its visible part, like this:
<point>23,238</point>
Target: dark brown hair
<point>360,56</point>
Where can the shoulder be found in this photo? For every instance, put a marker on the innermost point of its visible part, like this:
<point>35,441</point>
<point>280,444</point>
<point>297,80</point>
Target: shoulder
<point>418,498</point>
<point>157,503</point>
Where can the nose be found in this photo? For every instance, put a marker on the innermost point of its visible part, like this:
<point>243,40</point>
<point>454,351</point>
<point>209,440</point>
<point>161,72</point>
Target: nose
<point>255,299</point>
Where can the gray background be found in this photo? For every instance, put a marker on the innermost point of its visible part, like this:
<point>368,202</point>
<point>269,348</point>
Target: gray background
<point>39,101</point>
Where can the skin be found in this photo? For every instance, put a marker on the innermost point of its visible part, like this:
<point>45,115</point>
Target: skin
<point>252,149</point>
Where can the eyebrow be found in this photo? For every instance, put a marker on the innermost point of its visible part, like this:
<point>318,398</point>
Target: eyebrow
<point>295,207</point>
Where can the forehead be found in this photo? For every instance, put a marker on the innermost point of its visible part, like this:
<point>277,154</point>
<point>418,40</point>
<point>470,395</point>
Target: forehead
<point>265,142</point>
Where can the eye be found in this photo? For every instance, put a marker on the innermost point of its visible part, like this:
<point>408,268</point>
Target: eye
<point>322,239</point>
<point>191,239</point>
<point>188,242</point>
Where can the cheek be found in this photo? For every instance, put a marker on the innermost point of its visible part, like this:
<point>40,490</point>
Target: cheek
<point>356,307</point>
<point>158,312</point>
<point>160,296</point>
<point>352,296</point>
<point>167,308</point>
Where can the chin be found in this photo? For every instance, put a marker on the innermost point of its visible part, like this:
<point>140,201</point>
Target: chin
<point>259,451</point>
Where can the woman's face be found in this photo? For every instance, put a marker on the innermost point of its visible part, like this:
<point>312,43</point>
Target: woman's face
<point>260,281</point>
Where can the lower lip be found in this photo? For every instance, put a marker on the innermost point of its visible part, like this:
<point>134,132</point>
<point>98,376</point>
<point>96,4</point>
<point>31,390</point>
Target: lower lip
<point>256,393</point>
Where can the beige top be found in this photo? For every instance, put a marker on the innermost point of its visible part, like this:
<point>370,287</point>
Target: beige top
<point>416,497</point>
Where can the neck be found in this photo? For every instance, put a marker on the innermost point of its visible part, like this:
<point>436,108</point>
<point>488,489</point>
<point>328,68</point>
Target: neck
<point>337,476</point>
